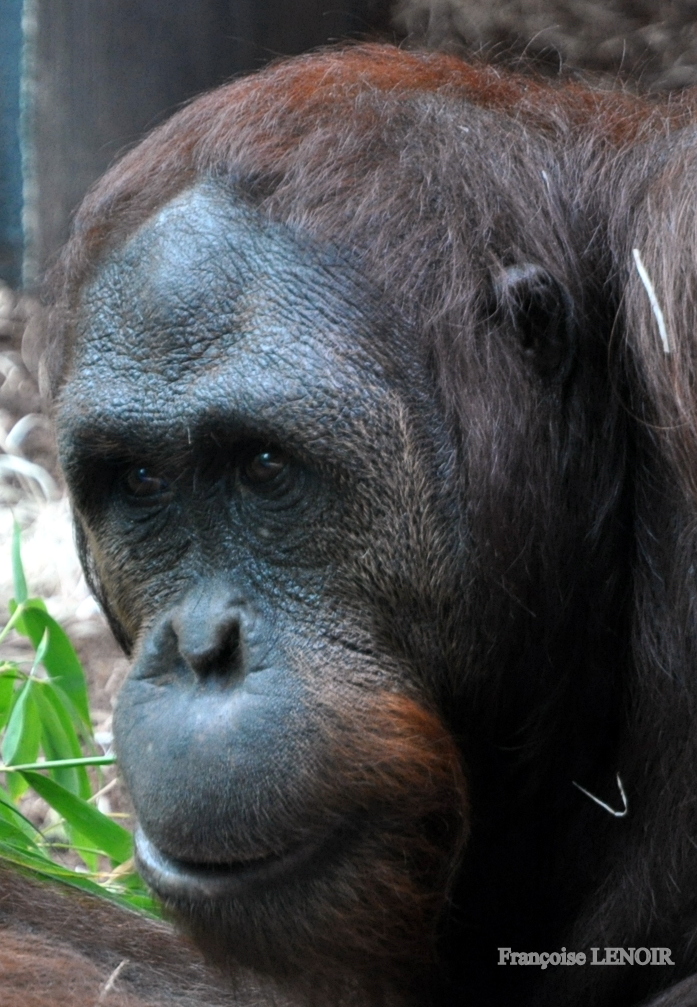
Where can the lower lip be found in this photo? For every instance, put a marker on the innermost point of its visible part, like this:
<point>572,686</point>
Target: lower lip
<point>176,880</point>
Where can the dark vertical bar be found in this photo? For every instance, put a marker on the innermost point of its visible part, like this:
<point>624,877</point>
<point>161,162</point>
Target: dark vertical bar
<point>105,71</point>
<point>261,30</point>
<point>11,245</point>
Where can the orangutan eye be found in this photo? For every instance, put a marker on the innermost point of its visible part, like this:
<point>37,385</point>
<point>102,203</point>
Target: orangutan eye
<point>144,484</point>
<point>265,468</point>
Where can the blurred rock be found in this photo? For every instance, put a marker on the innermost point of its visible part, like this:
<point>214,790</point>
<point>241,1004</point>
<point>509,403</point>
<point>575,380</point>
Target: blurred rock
<point>28,462</point>
<point>650,43</point>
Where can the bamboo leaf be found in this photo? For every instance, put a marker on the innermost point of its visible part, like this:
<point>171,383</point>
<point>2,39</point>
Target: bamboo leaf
<point>22,736</point>
<point>20,583</point>
<point>88,760</point>
<point>7,688</point>
<point>40,866</point>
<point>59,740</point>
<point>81,845</point>
<point>40,652</point>
<point>29,603</point>
<point>16,837</point>
<point>95,827</point>
<point>12,814</point>
<point>60,659</point>
<point>14,621</point>
<point>21,741</point>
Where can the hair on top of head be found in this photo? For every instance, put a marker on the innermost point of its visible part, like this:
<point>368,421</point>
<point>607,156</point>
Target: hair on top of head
<point>278,126</point>
<point>385,153</point>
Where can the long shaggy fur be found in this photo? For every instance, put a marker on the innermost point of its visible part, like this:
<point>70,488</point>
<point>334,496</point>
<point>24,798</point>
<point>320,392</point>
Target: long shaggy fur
<point>61,947</point>
<point>571,648</point>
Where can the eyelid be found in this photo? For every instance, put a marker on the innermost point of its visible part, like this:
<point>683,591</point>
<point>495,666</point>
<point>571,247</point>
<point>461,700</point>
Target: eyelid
<point>279,463</point>
<point>134,481</point>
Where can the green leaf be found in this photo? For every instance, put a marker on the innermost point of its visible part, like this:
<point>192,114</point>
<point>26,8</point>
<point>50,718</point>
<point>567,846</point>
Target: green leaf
<point>39,866</point>
<point>40,652</point>
<point>60,659</point>
<point>16,837</point>
<point>19,623</point>
<point>37,603</point>
<point>143,903</point>
<point>14,621</point>
<point>22,736</point>
<point>7,688</point>
<point>80,845</point>
<point>97,829</point>
<point>20,583</point>
<point>59,739</point>
<point>21,741</point>
<point>51,716</point>
<point>87,760</point>
<point>12,814</point>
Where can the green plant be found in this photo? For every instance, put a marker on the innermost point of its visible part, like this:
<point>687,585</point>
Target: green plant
<point>47,745</point>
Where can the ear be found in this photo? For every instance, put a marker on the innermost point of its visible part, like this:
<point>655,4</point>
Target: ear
<point>541,312</point>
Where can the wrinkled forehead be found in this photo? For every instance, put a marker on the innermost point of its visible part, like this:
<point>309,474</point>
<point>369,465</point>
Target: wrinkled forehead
<point>212,322</point>
<point>206,272</point>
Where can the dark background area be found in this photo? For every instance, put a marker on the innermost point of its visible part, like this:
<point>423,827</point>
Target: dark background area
<point>82,80</point>
<point>97,74</point>
<point>10,153</point>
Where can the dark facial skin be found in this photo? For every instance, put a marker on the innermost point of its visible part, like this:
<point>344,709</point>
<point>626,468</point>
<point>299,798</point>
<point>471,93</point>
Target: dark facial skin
<point>249,442</point>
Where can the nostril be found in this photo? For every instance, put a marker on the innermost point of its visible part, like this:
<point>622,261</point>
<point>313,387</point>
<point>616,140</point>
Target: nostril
<point>228,653</point>
<point>210,647</point>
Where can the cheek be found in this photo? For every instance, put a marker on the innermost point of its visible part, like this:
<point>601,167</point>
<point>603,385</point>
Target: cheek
<point>134,601</point>
<point>298,743</point>
<point>382,778</point>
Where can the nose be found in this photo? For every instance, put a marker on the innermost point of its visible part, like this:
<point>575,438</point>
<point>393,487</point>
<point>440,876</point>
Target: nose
<point>210,629</point>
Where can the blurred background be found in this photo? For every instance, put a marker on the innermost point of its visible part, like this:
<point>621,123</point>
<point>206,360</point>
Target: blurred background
<point>81,80</point>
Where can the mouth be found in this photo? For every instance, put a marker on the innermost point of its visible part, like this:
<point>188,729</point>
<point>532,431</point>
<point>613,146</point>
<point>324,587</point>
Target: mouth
<point>178,880</point>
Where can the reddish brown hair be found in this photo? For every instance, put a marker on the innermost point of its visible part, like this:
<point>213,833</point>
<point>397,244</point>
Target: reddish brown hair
<point>322,113</point>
